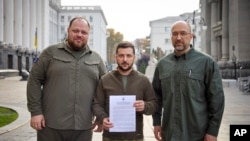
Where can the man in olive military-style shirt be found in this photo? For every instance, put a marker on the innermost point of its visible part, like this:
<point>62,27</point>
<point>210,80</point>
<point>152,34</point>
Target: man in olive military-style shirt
<point>62,85</point>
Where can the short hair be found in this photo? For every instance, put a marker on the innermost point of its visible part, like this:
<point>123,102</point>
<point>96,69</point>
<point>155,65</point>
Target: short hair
<point>80,18</point>
<point>125,44</point>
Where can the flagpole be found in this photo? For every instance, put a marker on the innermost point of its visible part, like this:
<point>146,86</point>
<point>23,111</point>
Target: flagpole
<point>35,45</point>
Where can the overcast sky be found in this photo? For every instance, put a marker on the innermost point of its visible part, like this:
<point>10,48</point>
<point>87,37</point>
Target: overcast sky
<point>132,17</point>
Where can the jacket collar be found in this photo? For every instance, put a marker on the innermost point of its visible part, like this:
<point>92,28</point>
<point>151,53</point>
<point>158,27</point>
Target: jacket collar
<point>64,45</point>
<point>116,72</point>
<point>186,55</point>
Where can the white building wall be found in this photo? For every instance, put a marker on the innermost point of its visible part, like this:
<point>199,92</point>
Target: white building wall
<point>53,26</point>
<point>18,22</point>
<point>32,23</point>
<point>160,35</point>
<point>45,24</point>
<point>196,29</point>
<point>97,39</point>
<point>23,17</point>
<point>25,24</point>
<point>8,21</point>
<point>1,20</point>
<point>39,23</point>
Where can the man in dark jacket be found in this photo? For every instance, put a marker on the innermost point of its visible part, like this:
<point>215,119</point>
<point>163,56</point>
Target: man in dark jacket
<point>189,89</point>
<point>124,81</point>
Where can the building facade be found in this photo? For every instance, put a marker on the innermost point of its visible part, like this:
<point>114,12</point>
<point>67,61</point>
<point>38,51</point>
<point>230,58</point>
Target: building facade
<point>227,36</point>
<point>160,34</point>
<point>98,23</point>
<point>160,31</point>
<point>29,26</point>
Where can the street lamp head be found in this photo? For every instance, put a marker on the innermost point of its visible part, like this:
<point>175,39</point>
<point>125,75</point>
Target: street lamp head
<point>203,23</point>
<point>204,27</point>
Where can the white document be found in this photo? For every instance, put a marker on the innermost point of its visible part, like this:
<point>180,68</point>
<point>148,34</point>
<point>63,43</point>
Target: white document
<point>122,113</point>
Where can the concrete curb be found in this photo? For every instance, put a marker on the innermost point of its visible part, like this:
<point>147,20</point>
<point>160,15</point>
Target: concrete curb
<point>23,118</point>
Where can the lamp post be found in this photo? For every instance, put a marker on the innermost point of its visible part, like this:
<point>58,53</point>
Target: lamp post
<point>234,62</point>
<point>200,21</point>
<point>194,29</point>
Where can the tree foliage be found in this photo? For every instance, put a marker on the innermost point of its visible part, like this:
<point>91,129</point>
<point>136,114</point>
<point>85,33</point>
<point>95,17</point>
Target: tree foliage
<point>143,45</point>
<point>114,38</point>
<point>158,53</point>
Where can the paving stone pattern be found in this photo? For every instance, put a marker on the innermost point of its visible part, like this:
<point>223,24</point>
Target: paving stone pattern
<point>13,95</point>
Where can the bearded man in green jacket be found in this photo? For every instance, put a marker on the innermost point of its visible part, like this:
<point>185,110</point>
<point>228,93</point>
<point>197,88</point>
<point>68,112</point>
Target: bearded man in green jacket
<point>124,81</point>
<point>189,89</point>
<point>62,85</point>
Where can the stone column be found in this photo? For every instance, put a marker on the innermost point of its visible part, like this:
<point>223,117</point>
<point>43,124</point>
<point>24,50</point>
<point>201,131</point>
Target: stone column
<point>26,23</point>
<point>218,47</point>
<point>1,20</point>
<point>8,21</point>
<point>32,23</point>
<point>225,31</point>
<point>45,24</point>
<point>18,22</point>
<point>209,29</point>
<point>203,21</point>
<point>39,23</point>
<point>213,37</point>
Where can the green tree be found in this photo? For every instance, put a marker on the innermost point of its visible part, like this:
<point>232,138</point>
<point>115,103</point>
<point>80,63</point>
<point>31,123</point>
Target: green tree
<point>143,45</point>
<point>114,38</point>
<point>158,53</point>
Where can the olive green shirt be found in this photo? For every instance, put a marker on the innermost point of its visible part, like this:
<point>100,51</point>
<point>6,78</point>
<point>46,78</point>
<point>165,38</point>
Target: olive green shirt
<point>112,84</point>
<point>189,89</point>
<point>62,87</point>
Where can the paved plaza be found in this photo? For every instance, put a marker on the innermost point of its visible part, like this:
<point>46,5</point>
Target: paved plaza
<point>13,95</point>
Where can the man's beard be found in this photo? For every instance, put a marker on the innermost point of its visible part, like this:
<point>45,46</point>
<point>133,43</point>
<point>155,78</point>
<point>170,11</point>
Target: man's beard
<point>125,69</point>
<point>179,48</point>
<point>74,46</point>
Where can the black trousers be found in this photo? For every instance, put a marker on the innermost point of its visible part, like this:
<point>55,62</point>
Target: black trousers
<point>49,134</point>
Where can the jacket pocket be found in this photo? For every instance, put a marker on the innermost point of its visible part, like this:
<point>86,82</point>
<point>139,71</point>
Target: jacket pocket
<point>91,68</point>
<point>165,80</point>
<point>61,59</point>
<point>60,66</point>
<point>89,62</point>
<point>164,76</point>
<point>194,84</point>
<point>195,76</point>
